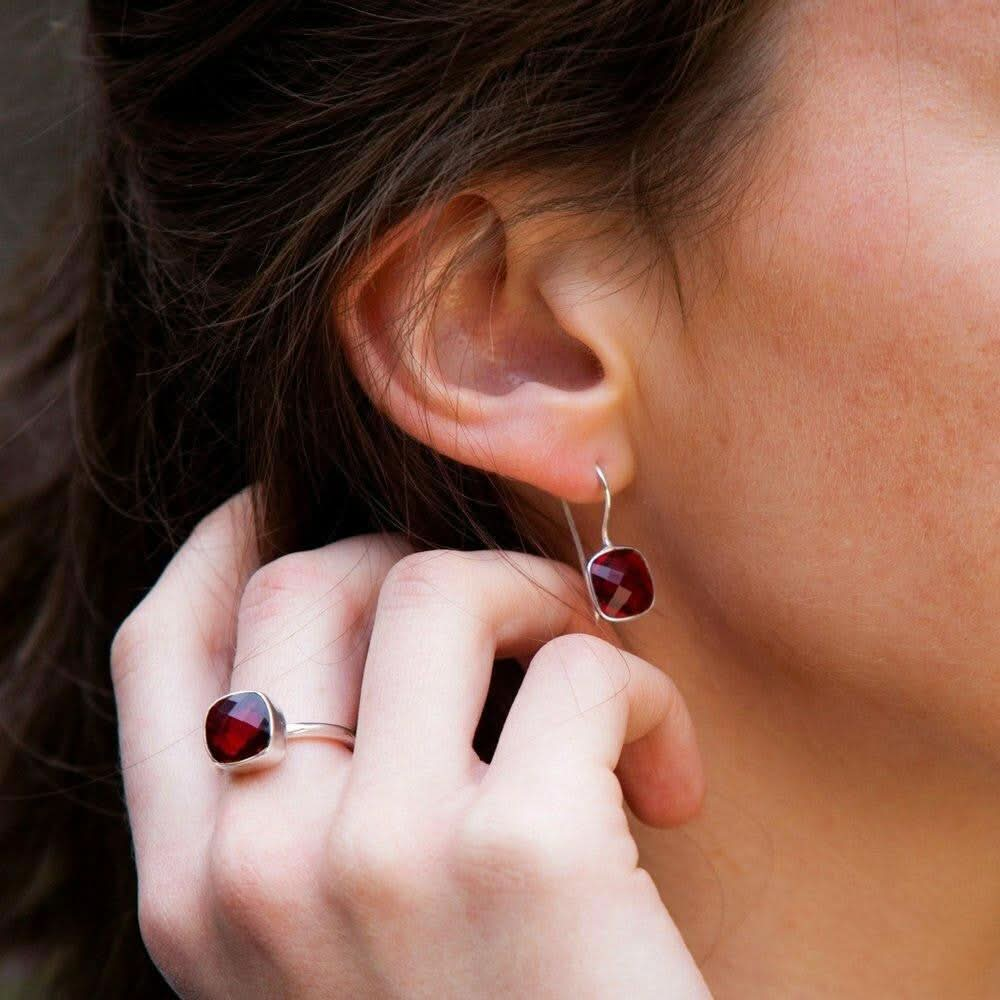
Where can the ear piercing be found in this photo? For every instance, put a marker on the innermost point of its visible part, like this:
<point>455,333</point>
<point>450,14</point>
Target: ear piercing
<point>618,577</point>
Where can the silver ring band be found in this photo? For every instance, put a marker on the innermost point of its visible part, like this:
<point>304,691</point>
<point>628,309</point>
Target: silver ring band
<point>323,730</point>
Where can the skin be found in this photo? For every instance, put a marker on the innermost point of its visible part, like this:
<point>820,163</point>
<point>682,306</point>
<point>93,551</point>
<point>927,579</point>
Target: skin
<point>406,867</point>
<point>803,436</point>
<point>799,418</point>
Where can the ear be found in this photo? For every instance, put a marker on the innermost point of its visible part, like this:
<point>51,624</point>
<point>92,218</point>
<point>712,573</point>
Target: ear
<point>487,335</point>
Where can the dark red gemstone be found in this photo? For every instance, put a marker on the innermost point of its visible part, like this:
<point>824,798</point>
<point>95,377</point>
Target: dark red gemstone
<point>622,583</point>
<point>237,727</point>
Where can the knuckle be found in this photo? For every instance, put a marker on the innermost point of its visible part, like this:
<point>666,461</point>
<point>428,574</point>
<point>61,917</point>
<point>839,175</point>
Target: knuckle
<point>216,523</point>
<point>252,881</point>
<point>238,507</point>
<point>502,846</point>
<point>234,874</point>
<point>168,924</point>
<point>139,628</point>
<point>377,868</point>
<point>429,576</point>
<point>417,577</point>
<point>279,586</point>
<point>583,656</point>
<point>576,645</point>
<point>129,643</point>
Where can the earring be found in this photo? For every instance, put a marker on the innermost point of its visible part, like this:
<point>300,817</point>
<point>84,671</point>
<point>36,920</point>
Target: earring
<point>618,577</point>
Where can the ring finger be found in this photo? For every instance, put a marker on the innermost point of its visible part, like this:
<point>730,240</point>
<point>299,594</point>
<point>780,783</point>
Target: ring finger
<point>301,639</point>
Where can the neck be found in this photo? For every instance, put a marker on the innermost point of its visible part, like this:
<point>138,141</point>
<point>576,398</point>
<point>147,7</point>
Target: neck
<point>842,851</point>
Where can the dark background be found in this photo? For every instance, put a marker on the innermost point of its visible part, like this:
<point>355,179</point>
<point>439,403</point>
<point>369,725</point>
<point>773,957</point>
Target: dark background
<point>42,139</point>
<point>43,145</point>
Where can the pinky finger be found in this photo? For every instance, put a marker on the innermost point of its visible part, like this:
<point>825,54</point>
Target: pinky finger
<point>169,661</point>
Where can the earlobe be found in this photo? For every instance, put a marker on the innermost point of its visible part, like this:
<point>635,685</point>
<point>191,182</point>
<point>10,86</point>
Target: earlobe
<point>453,328</point>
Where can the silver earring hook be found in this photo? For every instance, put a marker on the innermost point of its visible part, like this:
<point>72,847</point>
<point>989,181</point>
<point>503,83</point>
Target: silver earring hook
<point>607,506</point>
<point>604,524</point>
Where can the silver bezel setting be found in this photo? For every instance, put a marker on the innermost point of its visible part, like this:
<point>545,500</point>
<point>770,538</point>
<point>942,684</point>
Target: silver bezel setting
<point>598,611</point>
<point>272,754</point>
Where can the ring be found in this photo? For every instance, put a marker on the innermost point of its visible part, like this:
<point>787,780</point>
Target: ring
<point>245,730</point>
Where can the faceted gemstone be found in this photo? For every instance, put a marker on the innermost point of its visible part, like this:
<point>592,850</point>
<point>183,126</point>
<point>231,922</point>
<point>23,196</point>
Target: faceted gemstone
<point>237,727</point>
<point>622,583</point>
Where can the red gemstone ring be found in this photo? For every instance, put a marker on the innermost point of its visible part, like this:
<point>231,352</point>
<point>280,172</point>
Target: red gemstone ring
<point>246,731</point>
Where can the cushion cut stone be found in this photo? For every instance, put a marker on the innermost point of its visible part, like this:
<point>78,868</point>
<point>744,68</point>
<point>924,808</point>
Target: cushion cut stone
<point>622,582</point>
<point>237,727</point>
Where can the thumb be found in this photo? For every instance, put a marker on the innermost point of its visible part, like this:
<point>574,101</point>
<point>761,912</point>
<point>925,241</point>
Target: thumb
<point>660,771</point>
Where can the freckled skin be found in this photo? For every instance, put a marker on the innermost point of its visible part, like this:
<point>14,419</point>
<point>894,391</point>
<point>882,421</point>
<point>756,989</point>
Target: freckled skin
<point>811,398</point>
<point>817,430</point>
<point>834,468</point>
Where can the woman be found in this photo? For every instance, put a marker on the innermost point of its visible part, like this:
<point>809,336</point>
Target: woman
<point>359,302</point>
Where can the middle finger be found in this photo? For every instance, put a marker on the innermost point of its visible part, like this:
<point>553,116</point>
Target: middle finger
<point>442,618</point>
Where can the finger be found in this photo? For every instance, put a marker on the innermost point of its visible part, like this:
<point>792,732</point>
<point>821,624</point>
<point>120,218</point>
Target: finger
<point>442,618</point>
<point>585,705</point>
<point>169,660</point>
<point>302,637</point>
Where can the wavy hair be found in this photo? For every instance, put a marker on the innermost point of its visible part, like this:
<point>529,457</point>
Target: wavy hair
<point>173,340</point>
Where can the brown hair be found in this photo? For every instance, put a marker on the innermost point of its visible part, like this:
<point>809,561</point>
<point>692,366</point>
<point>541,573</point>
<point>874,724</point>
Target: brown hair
<point>177,344</point>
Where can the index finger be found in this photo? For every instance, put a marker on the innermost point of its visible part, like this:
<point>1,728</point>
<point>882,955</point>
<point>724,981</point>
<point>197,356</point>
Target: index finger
<point>169,660</point>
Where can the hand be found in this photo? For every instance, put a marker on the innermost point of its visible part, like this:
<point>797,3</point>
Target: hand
<point>408,868</point>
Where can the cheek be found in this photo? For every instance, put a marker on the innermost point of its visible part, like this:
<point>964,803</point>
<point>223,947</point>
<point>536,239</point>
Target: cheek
<point>840,493</point>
